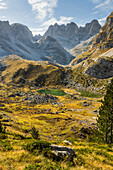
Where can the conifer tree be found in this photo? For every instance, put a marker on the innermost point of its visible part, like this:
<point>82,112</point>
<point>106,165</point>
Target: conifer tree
<point>105,117</point>
<point>34,133</point>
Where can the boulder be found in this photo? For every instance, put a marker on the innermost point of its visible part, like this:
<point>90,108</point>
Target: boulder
<point>61,152</point>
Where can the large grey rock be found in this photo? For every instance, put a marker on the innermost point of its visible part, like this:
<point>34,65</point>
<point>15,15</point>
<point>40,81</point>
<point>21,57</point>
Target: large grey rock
<point>62,151</point>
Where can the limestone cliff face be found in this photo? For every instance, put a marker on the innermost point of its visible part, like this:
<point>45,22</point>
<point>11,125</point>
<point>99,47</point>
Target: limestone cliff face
<point>104,40</point>
<point>53,51</point>
<point>102,68</point>
<point>98,60</point>
<point>18,39</point>
<point>71,35</point>
<point>15,32</point>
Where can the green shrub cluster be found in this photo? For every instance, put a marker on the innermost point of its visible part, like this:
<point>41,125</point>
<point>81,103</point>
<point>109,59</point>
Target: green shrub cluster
<point>49,166</point>
<point>5,145</point>
<point>2,131</point>
<point>34,133</point>
<point>38,147</point>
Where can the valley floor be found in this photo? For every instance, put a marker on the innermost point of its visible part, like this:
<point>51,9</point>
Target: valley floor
<point>65,119</point>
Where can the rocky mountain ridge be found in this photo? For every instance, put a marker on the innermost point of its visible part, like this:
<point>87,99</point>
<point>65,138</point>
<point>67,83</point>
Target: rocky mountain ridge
<point>71,35</point>
<point>97,62</point>
<point>82,47</point>
<point>104,40</point>
<point>18,39</point>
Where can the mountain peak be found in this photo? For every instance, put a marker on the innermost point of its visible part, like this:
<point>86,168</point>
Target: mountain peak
<point>70,35</point>
<point>21,32</point>
<point>56,25</point>
<point>4,22</point>
<point>105,37</point>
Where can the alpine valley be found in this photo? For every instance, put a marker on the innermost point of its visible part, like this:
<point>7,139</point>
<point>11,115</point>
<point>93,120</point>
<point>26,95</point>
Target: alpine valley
<point>51,90</point>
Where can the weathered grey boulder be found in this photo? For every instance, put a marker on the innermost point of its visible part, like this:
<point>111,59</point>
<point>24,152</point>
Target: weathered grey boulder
<point>62,152</point>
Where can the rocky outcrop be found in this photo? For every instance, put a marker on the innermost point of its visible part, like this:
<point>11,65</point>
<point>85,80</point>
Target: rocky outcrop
<point>70,35</point>
<point>37,37</point>
<point>62,152</point>
<point>97,62</point>
<point>102,68</point>
<point>54,52</point>
<point>82,47</point>
<point>104,40</point>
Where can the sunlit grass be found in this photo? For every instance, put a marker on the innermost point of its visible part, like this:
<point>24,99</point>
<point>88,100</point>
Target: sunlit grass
<point>56,92</point>
<point>89,94</point>
<point>55,127</point>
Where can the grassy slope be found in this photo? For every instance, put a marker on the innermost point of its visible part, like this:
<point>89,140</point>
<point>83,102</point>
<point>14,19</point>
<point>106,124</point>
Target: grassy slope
<point>55,128</point>
<point>41,73</point>
<point>78,70</point>
<point>24,116</point>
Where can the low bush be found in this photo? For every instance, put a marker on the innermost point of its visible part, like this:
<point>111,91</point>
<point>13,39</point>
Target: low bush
<point>5,145</point>
<point>49,166</point>
<point>34,133</point>
<point>38,147</point>
<point>3,136</point>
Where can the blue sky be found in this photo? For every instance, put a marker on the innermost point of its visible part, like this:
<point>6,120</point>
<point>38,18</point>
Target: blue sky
<point>39,14</point>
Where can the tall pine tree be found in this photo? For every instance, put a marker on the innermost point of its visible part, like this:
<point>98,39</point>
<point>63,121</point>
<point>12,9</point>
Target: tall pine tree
<point>105,117</point>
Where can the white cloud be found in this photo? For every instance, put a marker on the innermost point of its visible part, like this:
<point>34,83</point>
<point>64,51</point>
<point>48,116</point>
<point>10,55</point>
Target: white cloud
<point>102,20</point>
<point>62,20</point>
<point>43,8</point>
<point>37,31</point>
<point>3,5</point>
<point>41,30</point>
<point>105,5</point>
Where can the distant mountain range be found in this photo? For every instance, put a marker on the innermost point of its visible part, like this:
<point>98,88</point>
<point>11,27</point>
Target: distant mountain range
<point>18,39</point>
<point>91,68</point>
<point>71,35</point>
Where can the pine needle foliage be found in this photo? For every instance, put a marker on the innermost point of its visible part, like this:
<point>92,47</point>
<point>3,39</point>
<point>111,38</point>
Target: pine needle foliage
<point>105,117</point>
